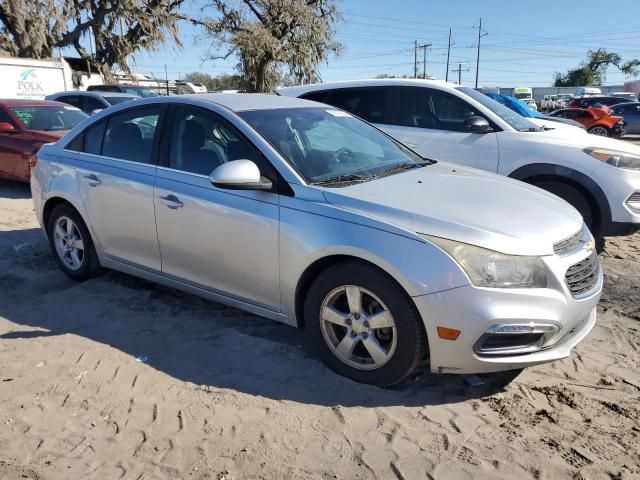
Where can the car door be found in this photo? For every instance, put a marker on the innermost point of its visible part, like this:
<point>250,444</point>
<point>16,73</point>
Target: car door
<point>12,149</point>
<point>432,122</point>
<point>631,115</point>
<point>116,176</point>
<point>225,241</point>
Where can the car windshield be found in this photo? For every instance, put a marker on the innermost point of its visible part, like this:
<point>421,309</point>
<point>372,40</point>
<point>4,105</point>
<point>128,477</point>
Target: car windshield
<point>49,117</point>
<point>515,120</point>
<point>141,92</point>
<point>331,147</point>
<point>116,100</point>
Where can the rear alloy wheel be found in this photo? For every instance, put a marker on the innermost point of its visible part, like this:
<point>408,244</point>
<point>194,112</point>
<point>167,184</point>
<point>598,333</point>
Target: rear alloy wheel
<point>71,243</point>
<point>599,130</point>
<point>363,325</point>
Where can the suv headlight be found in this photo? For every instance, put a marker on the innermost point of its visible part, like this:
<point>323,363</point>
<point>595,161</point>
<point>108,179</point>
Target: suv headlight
<point>487,268</point>
<point>615,158</point>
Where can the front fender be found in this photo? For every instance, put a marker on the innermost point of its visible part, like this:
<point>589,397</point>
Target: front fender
<point>418,266</point>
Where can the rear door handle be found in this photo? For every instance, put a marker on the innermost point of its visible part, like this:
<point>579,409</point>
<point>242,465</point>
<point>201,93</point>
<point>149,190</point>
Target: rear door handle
<point>171,201</point>
<point>92,180</point>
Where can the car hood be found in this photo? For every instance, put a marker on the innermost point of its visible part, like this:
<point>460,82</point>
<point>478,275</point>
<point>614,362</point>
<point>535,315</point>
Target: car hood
<point>465,205</point>
<point>575,137</point>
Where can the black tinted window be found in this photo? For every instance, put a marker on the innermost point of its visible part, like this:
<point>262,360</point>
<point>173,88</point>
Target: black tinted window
<point>93,138</point>
<point>367,103</point>
<point>91,104</point>
<point>201,141</point>
<point>129,135</point>
<point>316,96</point>
<point>74,100</point>
<point>5,118</point>
<point>428,108</point>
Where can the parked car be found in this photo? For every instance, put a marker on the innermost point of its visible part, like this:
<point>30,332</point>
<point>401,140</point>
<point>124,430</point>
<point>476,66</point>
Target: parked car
<point>314,218</point>
<point>597,121</point>
<point>585,102</point>
<point>137,90</point>
<point>91,102</point>
<point>545,121</point>
<point>630,112</point>
<point>628,95</point>
<point>25,125</point>
<point>562,100</point>
<point>597,175</point>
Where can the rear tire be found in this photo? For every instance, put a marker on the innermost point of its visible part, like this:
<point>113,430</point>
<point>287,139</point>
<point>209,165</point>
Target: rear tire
<point>71,243</point>
<point>600,131</point>
<point>359,298</point>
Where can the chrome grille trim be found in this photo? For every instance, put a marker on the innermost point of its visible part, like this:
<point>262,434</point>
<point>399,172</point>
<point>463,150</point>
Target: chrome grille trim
<point>583,276</point>
<point>568,244</point>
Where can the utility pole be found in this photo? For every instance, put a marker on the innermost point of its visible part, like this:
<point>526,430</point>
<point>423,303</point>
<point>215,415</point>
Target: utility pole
<point>460,70</point>
<point>166,78</point>
<point>448,55</point>
<point>415,59</point>
<point>481,34</point>
<point>424,61</point>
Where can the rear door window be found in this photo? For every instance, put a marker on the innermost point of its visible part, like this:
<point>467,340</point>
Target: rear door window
<point>75,100</point>
<point>91,104</point>
<point>130,135</point>
<point>367,103</point>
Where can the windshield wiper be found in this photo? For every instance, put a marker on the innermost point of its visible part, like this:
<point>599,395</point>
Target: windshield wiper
<point>348,178</point>
<point>398,168</point>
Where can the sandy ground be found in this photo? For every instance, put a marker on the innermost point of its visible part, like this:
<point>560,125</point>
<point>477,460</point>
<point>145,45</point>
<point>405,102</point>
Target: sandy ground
<point>223,394</point>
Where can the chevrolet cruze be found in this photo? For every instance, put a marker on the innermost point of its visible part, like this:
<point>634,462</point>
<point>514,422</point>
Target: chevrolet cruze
<point>304,214</point>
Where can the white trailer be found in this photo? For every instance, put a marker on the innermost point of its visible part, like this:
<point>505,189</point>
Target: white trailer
<point>25,78</point>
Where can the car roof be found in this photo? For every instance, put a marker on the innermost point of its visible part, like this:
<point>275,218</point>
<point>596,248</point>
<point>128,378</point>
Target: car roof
<point>95,93</point>
<point>374,82</point>
<point>239,102</point>
<point>29,103</point>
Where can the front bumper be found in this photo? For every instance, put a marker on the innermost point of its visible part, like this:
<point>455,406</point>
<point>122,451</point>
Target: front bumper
<point>474,311</point>
<point>618,185</point>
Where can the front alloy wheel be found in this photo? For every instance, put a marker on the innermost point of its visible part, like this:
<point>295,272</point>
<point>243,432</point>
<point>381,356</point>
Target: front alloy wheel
<point>599,130</point>
<point>358,327</point>
<point>363,325</point>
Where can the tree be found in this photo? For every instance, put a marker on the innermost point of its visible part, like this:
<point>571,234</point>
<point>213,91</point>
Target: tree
<point>267,34</point>
<point>33,29</point>
<point>221,82</point>
<point>593,71</point>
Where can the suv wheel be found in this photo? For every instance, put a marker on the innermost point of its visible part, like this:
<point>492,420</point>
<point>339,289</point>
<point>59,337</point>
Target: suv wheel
<point>363,325</point>
<point>600,131</point>
<point>71,243</point>
<point>576,199</point>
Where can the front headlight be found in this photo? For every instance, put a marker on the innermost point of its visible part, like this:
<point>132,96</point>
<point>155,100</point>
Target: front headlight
<point>487,268</point>
<point>615,158</point>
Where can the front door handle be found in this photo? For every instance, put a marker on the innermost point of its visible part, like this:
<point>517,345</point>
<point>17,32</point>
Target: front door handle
<point>171,201</point>
<point>93,180</point>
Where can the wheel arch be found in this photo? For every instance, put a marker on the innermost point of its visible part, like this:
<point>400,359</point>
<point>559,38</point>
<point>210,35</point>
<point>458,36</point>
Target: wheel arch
<point>320,265</point>
<point>52,202</point>
<point>596,197</point>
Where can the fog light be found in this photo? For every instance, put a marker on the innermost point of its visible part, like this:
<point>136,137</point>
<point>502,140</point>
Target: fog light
<point>448,333</point>
<point>514,339</point>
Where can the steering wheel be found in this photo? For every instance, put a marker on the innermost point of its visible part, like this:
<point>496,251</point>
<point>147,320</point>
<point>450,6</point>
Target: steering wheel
<point>343,151</point>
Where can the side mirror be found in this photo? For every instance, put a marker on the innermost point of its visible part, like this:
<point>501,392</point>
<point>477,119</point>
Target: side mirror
<point>6,127</point>
<point>477,124</point>
<point>239,175</point>
<point>97,110</point>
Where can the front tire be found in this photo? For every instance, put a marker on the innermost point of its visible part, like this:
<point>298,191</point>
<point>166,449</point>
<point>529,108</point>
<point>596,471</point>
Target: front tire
<point>363,324</point>
<point>71,243</point>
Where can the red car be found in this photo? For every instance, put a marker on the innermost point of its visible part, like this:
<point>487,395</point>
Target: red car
<point>25,125</point>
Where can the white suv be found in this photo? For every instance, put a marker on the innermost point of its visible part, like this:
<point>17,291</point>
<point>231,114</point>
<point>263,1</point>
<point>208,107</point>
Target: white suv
<point>599,176</point>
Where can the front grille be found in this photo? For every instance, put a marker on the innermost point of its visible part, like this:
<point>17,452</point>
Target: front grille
<point>568,244</point>
<point>583,276</point>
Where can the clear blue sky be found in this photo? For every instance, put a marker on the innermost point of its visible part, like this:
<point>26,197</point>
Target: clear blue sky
<point>526,42</point>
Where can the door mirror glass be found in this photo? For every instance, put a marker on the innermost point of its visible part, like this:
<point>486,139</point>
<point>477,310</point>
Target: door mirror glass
<point>6,127</point>
<point>239,175</point>
<point>477,124</point>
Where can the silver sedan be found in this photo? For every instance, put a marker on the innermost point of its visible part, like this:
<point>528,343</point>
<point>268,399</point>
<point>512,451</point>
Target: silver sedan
<point>305,214</point>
